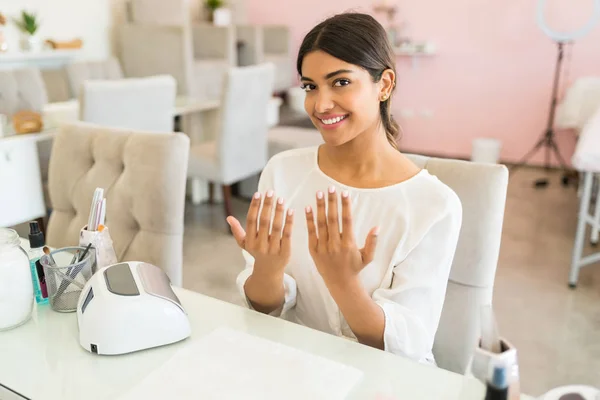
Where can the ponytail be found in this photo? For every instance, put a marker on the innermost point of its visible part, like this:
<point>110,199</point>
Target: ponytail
<point>391,127</point>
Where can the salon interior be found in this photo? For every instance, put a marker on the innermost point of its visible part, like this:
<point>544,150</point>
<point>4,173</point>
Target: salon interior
<point>498,100</point>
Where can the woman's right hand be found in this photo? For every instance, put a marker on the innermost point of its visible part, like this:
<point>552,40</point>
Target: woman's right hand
<point>271,250</point>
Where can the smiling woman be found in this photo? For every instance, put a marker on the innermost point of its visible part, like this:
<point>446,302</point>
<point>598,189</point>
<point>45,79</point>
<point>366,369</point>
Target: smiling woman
<point>360,42</point>
<point>370,260</point>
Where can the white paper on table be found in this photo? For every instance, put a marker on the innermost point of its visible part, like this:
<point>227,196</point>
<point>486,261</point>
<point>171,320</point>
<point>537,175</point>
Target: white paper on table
<point>228,364</point>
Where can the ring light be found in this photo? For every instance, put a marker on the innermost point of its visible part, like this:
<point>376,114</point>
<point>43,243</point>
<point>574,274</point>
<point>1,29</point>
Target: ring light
<point>566,37</point>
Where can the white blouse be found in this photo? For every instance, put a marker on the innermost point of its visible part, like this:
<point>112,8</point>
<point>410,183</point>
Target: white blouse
<point>419,222</point>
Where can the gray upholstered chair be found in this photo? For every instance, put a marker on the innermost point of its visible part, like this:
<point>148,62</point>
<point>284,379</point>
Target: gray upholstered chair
<point>239,148</point>
<point>144,177</point>
<point>22,89</point>
<point>57,85</point>
<point>161,38</point>
<point>482,191</point>
<point>133,103</point>
<point>268,44</point>
<point>81,71</point>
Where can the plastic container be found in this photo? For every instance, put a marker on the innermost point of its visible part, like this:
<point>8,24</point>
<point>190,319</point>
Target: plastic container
<point>486,150</point>
<point>16,289</point>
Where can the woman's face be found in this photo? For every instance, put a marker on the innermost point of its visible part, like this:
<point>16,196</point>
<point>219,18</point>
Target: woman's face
<point>341,99</point>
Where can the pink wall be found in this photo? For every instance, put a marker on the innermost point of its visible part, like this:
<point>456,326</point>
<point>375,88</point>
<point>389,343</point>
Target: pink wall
<point>492,74</point>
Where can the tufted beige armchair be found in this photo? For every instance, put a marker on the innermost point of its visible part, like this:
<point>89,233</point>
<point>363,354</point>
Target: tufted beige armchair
<point>143,175</point>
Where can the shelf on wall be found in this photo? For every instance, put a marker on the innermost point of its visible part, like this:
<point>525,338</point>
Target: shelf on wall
<point>415,52</point>
<point>421,49</point>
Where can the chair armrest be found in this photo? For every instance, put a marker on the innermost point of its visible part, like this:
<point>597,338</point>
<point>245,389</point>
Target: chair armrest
<point>250,39</point>
<point>214,42</point>
<point>276,39</point>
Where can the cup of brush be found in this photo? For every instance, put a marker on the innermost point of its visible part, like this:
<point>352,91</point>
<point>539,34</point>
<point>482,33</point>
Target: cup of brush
<point>67,270</point>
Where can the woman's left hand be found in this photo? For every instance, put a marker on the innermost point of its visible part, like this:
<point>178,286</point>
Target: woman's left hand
<point>336,255</point>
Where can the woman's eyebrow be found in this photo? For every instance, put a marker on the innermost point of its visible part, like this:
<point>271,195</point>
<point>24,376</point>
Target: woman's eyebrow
<point>329,75</point>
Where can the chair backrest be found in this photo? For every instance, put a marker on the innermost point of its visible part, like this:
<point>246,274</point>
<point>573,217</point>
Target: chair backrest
<point>579,103</point>
<point>79,72</point>
<point>160,12</point>
<point>144,178</point>
<point>22,89</point>
<point>21,198</point>
<point>147,50</point>
<point>242,140</point>
<point>277,40</point>
<point>482,191</point>
<point>132,103</point>
<point>57,84</point>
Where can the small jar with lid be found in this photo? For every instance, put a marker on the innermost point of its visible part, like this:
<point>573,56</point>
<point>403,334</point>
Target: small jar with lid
<point>16,287</point>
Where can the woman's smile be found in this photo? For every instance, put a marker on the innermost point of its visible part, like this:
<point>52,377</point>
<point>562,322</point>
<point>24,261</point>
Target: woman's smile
<point>332,121</point>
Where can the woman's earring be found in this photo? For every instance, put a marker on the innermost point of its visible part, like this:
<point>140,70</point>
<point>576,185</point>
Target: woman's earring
<point>384,97</point>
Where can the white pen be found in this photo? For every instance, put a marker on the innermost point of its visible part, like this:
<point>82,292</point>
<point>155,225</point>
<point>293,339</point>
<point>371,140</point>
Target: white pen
<point>94,217</point>
<point>98,195</point>
<point>102,213</point>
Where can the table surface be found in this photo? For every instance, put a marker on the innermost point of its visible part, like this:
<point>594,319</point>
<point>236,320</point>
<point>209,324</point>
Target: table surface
<point>42,359</point>
<point>55,113</point>
<point>183,105</point>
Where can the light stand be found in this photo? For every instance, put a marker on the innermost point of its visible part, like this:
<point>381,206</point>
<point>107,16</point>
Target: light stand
<point>547,141</point>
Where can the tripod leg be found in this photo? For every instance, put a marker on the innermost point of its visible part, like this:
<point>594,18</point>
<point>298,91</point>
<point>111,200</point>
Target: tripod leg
<point>547,153</point>
<point>567,176</point>
<point>531,152</point>
<point>560,158</point>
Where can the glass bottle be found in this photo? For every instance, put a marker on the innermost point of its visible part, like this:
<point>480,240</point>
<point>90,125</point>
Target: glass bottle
<point>16,288</point>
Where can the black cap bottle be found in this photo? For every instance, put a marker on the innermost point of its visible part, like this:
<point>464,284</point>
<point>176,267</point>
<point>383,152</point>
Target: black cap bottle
<point>36,236</point>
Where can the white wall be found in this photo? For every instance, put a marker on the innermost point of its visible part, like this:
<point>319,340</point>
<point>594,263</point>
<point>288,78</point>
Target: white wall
<point>90,20</point>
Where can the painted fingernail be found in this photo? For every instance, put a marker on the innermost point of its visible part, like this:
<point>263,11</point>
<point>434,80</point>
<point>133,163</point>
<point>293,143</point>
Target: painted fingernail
<point>280,200</point>
<point>376,231</point>
<point>290,212</point>
<point>257,195</point>
<point>331,189</point>
<point>319,195</point>
<point>270,193</point>
<point>308,209</point>
<point>345,194</point>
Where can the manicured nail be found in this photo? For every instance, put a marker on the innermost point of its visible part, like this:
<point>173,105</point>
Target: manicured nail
<point>280,200</point>
<point>257,195</point>
<point>290,212</point>
<point>331,189</point>
<point>270,193</point>
<point>319,195</point>
<point>345,194</point>
<point>376,231</point>
<point>308,209</point>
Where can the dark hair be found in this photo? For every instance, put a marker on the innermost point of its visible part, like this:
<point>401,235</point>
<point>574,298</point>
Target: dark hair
<point>360,40</point>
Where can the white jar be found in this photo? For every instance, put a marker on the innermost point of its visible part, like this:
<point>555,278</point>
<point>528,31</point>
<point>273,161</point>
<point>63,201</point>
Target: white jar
<point>16,287</point>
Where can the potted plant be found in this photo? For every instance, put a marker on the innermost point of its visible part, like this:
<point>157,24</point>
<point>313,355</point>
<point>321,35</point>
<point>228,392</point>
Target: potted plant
<point>212,6</point>
<point>28,24</point>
